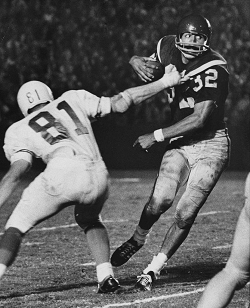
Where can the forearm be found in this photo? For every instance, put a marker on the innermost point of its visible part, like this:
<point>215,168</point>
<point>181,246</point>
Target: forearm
<point>6,189</point>
<point>12,178</point>
<point>191,123</point>
<point>134,96</point>
<point>139,94</point>
<point>179,129</point>
<point>184,127</point>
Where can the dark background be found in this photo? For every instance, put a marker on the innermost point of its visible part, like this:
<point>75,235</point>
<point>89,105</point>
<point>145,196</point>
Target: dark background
<point>84,44</point>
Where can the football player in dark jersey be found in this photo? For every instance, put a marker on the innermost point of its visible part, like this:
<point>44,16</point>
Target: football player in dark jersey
<point>199,145</point>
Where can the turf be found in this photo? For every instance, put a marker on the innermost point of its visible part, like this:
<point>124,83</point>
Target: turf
<point>54,267</point>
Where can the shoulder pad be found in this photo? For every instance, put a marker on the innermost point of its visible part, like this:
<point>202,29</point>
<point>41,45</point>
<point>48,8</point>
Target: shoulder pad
<point>165,49</point>
<point>207,60</point>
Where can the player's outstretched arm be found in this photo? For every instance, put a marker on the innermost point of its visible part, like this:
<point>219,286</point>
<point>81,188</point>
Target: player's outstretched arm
<point>136,95</point>
<point>12,178</point>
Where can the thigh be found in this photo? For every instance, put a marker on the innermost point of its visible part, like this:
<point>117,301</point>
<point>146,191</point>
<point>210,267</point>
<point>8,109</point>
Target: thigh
<point>204,176</point>
<point>206,171</point>
<point>172,174</point>
<point>35,205</point>
<point>208,159</point>
<point>175,166</point>
<point>207,162</point>
<point>86,212</point>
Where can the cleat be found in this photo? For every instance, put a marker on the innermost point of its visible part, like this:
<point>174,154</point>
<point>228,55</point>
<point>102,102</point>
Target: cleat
<point>108,285</point>
<point>145,281</point>
<point>123,253</point>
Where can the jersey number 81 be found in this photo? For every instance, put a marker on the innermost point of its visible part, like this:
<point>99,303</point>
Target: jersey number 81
<point>51,129</point>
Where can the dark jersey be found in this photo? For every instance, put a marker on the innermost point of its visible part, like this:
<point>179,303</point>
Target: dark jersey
<point>208,81</point>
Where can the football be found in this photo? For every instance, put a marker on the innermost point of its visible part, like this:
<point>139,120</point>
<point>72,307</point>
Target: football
<point>158,71</point>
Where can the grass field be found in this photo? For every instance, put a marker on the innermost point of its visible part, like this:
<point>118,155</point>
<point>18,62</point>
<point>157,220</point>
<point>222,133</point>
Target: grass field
<point>55,269</point>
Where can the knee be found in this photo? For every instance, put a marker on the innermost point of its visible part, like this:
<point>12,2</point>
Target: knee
<point>20,221</point>
<point>188,208</point>
<point>162,196</point>
<point>158,206</point>
<point>185,216</point>
<point>184,221</point>
<point>87,225</point>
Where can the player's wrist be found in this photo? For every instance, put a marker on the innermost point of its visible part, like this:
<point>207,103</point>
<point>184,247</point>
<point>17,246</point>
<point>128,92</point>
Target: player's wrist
<point>158,135</point>
<point>165,81</point>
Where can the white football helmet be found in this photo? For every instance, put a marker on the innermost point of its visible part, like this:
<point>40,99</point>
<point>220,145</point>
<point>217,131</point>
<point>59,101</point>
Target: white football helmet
<point>31,94</point>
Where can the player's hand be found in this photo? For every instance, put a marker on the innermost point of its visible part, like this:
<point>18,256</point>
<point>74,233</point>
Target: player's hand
<point>172,77</point>
<point>142,67</point>
<point>145,141</point>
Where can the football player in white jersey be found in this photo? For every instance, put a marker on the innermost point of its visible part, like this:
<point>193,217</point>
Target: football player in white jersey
<point>220,289</point>
<point>59,132</point>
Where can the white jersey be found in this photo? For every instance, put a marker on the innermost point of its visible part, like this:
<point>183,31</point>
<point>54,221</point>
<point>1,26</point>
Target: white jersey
<point>64,123</point>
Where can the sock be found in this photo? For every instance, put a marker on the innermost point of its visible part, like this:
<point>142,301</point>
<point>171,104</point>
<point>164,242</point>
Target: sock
<point>140,235</point>
<point>103,270</point>
<point>9,245</point>
<point>156,264</point>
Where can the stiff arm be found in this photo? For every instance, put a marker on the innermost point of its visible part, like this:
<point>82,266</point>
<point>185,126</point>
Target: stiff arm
<point>122,101</point>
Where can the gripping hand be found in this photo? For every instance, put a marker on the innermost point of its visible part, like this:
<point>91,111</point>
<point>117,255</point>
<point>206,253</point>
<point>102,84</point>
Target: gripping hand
<point>172,77</point>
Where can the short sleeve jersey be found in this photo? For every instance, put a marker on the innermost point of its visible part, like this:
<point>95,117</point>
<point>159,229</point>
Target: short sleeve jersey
<point>208,81</point>
<point>64,122</point>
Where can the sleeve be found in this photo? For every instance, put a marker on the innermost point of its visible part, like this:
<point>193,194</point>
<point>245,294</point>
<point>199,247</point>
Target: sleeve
<point>211,84</point>
<point>93,105</point>
<point>15,149</point>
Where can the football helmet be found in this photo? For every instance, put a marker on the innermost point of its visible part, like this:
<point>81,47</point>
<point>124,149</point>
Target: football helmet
<point>31,94</point>
<point>194,24</point>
